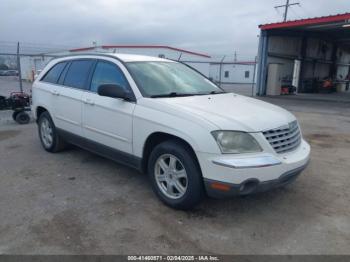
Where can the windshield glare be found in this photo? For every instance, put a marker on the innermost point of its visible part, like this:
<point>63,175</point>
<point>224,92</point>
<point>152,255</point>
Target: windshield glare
<point>162,78</point>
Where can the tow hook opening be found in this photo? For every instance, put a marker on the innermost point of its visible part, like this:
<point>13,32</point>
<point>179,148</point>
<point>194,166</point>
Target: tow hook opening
<point>248,187</point>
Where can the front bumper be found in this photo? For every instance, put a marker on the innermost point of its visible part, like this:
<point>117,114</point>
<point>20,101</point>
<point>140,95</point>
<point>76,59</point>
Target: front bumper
<point>227,175</point>
<point>218,189</point>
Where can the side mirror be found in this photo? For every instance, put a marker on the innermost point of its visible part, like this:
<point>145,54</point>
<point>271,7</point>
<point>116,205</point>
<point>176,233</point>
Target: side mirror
<point>114,91</point>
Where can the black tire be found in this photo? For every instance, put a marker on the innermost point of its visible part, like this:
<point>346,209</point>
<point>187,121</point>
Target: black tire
<point>58,143</point>
<point>21,117</point>
<point>195,190</point>
<point>14,114</point>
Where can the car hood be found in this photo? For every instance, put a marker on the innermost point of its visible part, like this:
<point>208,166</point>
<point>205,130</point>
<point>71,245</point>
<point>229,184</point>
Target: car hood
<point>231,111</point>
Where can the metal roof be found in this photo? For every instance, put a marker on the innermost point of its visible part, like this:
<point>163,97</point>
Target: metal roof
<point>140,46</point>
<point>308,22</point>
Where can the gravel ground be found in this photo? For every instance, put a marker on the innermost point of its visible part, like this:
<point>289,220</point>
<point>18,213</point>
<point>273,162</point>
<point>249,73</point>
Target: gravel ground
<point>75,202</point>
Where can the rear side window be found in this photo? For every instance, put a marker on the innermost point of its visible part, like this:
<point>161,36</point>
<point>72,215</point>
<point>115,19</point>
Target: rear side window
<point>107,73</point>
<point>78,73</point>
<point>54,73</point>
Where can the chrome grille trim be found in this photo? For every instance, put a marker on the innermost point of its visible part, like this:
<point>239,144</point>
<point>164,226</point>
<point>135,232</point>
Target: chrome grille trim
<point>284,139</point>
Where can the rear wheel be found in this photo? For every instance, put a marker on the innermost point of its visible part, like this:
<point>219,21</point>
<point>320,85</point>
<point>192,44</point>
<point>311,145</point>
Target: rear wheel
<point>50,139</point>
<point>175,175</point>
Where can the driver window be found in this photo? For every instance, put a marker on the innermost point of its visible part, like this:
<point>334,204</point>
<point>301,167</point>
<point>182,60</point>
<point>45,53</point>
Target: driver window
<point>107,73</point>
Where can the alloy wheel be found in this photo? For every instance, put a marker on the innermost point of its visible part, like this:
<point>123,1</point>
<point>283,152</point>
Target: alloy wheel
<point>171,176</point>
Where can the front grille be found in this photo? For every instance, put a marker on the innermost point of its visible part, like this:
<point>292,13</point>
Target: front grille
<point>284,139</point>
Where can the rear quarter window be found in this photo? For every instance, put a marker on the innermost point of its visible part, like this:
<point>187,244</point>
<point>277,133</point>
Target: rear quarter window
<point>54,73</point>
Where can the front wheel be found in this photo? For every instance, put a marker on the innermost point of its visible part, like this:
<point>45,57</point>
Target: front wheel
<point>175,175</point>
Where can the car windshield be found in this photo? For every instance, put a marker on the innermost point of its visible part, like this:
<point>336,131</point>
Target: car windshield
<point>170,79</point>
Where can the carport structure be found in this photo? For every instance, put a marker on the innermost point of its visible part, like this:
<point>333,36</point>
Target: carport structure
<point>303,53</point>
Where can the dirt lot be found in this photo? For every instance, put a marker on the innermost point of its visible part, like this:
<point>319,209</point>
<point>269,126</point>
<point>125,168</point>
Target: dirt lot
<point>78,203</point>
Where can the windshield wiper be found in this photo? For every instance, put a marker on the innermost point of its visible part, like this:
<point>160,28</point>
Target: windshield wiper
<point>173,94</point>
<point>216,92</point>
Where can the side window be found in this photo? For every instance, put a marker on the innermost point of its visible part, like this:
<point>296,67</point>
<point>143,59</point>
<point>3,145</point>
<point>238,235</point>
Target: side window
<point>107,73</point>
<point>227,73</point>
<point>54,73</point>
<point>78,73</point>
<point>246,74</point>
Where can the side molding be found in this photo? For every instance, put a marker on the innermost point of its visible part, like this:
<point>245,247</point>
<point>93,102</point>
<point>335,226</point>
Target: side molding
<point>102,150</point>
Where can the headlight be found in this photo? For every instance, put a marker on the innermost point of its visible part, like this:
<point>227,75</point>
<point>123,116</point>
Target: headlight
<point>234,142</point>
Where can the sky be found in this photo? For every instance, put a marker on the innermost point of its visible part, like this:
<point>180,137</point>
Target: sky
<point>215,27</point>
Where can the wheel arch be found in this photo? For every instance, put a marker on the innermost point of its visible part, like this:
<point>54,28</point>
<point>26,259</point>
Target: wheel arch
<point>155,139</point>
<point>39,110</point>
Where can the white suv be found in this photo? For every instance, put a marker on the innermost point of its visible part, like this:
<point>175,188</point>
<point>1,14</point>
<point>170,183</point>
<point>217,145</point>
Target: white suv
<point>168,120</point>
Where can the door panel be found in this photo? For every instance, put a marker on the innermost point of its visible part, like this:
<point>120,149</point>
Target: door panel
<point>68,97</point>
<point>68,106</point>
<point>108,120</point>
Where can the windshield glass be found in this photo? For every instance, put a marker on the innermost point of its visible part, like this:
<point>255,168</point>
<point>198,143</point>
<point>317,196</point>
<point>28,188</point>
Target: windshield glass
<point>169,79</point>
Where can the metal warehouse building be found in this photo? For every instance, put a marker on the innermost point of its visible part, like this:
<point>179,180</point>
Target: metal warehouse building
<point>197,60</point>
<point>239,72</point>
<point>311,55</point>
<point>225,72</point>
<point>234,72</point>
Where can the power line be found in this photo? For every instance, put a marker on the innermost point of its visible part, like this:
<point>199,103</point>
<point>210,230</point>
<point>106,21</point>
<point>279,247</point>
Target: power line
<point>286,7</point>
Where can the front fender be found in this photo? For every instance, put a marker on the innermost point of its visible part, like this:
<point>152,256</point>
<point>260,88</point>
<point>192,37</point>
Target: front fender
<point>148,121</point>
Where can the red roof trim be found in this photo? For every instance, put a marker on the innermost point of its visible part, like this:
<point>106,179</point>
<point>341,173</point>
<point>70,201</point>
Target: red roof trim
<point>308,21</point>
<point>82,49</point>
<point>234,63</point>
<point>156,46</point>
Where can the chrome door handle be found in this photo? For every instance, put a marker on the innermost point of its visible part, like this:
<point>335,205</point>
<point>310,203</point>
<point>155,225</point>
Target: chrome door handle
<point>55,93</point>
<point>89,101</point>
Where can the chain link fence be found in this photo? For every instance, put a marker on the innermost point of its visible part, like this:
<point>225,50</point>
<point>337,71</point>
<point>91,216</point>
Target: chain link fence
<point>232,75</point>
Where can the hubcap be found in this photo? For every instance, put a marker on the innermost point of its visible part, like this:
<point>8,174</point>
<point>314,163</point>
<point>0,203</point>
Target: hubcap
<point>171,176</point>
<point>46,133</point>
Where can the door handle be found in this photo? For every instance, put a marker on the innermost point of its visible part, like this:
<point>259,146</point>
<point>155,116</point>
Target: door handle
<point>89,101</point>
<point>55,93</point>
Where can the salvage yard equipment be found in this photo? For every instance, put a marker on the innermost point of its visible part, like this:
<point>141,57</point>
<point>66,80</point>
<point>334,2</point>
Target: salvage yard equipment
<point>19,102</point>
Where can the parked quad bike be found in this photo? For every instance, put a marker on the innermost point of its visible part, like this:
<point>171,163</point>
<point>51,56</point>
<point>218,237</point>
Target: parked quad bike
<point>19,102</point>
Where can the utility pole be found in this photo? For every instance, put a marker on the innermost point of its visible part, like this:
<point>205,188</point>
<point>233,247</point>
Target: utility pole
<point>254,72</point>
<point>19,69</point>
<point>286,7</point>
<point>222,60</point>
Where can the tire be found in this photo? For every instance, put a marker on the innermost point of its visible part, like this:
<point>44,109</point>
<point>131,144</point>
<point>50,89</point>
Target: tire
<point>47,128</point>
<point>14,114</point>
<point>21,118</point>
<point>184,193</point>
